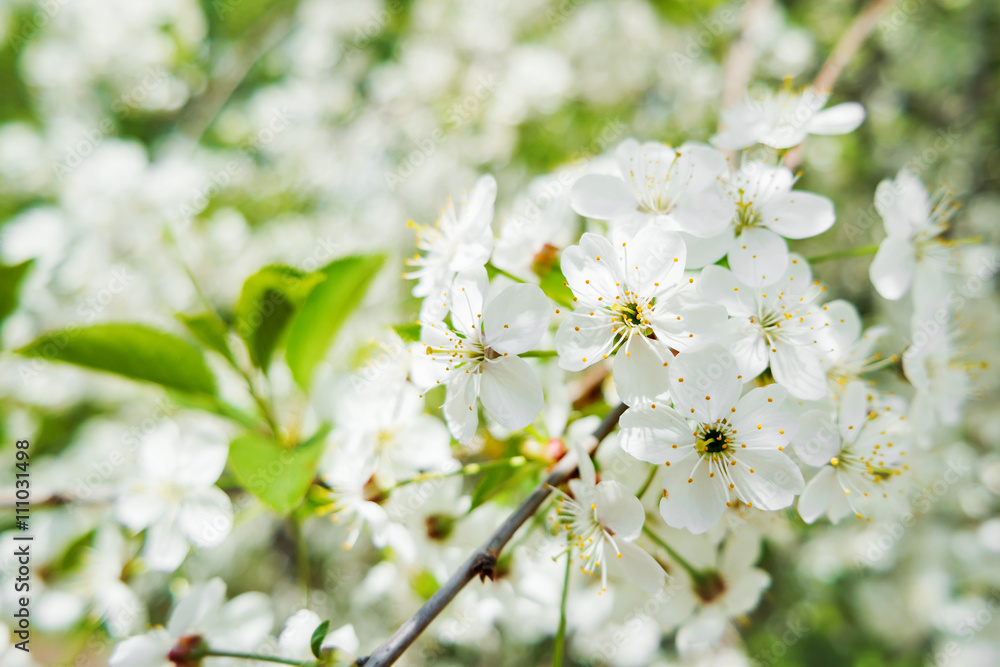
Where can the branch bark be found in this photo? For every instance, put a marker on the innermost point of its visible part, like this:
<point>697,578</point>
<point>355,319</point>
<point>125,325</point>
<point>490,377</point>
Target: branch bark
<point>483,561</point>
<point>842,53</point>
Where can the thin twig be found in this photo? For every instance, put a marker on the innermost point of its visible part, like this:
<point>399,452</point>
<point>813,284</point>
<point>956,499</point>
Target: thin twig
<point>842,53</point>
<point>483,560</point>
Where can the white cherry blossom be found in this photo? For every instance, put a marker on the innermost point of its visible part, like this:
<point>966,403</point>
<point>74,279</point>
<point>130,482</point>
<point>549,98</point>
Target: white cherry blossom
<point>295,638</point>
<point>677,188</point>
<point>716,446</point>
<point>633,298</point>
<point>460,240</point>
<point>238,625</point>
<point>479,358</point>
<point>173,496</point>
<point>913,254</point>
<point>784,118</point>
<point>767,209</point>
<point>859,454</point>
<point>602,519</point>
<point>780,326</point>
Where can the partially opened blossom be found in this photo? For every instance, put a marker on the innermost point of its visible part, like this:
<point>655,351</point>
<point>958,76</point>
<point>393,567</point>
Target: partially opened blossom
<point>173,496</point>
<point>202,619</point>
<point>354,499</point>
<point>784,118</point>
<point>460,240</point>
<point>478,359</point>
<point>913,250</point>
<point>602,519</point>
<point>633,298</point>
<point>716,445</point>
<point>676,188</point>
<point>767,212</point>
<point>859,455</point>
<point>779,326</point>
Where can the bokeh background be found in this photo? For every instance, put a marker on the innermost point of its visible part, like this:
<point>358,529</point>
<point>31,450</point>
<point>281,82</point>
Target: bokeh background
<point>234,133</point>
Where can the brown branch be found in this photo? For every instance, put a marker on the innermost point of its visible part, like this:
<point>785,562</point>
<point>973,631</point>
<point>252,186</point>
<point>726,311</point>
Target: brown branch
<point>483,561</point>
<point>842,53</point>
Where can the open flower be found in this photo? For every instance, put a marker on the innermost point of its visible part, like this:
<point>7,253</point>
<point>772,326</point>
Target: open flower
<point>780,326</point>
<point>633,299</point>
<point>912,250</point>
<point>715,445</point>
<point>602,519</point>
<point>479,358</point>
<point>202,619</point>
<point>784,118</point>
<point>767,209</point>
<point>294,640</point>
<point>173,496</point>
<point>677,188</point>
<point>462,239</point>
<point>859,454</point>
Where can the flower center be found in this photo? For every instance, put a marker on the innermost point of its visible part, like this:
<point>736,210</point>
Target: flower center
<point>714,438</point>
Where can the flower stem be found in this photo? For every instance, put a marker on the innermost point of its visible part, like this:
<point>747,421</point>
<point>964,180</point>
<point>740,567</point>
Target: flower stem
<point>543,354</point>
<point>557,654</point>
<point>213,653</point>
<point>469,469</point>
<point>695,573</point>
<point>645,485</point>
<point>860,251</point>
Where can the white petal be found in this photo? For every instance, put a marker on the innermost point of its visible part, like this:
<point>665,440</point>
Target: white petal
<point>746,343</point>
<point>696,504</point>
<point>817,440</point>
<point>148,650</point>
<point>641,371</point>
<point>704,384</point>
<point>759,421</point>
<point>797,369</point>
<point>705,251</point>
<point>602,197</point>
<point>619,510</point>
<point>478,210</point>
<point>460,405</point>
<point>719,285</point>
<point>649,434</point>
<point>892,269</point>
<point>241,623</point>
<point>641,569</point>
<point>205,517</point>
<point>344,639</point>
<point>468,291</point>
<point>703,631</point>
<point>903,204</point>
<point>853,411</point>
<point>510,392</point>
<point>516,319</point>
<point>202,602</point>
<point>653,261</point>
<point>743,594</point>
<point>838,119</point>
<point>591,269</point>
<point>819,493</point>
<point>774,482</point>
<point>687,321</point>
<point>704,214</point>
<point>758,257</point>
<point>700,164</point>
<point>583,339</point>
<point>165,547</point>
<point>798,215</point>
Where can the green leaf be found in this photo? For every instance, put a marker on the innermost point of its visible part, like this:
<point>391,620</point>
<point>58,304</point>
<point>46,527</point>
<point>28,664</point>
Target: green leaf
<point>553,284</point>
<point>135,351</point>
<point>280,476</point>
<point>266,305</point>
<point>319,634</point>
<point>10,282</point>
<point>329,305</point>
<point>410,333</point>
<point>496,481</point>
<point>210,332</point>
